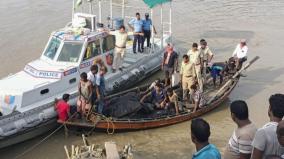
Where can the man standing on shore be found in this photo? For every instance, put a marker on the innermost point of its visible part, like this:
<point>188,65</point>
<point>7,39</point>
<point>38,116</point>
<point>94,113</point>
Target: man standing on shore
<point>265,141</point>
<point>200,133</point>
<point>137,26</point>
<point>147,24</point>
<point>239,145</point>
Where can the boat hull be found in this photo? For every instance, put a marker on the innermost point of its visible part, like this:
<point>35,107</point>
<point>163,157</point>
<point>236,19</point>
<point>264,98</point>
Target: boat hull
<point>28,133</point>
<point>129,125</point>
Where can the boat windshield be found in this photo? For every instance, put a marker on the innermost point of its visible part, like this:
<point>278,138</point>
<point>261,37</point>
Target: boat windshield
<point>52,48</point>
<point>70,52</point>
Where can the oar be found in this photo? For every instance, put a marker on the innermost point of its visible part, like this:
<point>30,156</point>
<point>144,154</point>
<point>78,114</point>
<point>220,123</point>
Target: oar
<point>126,91</point>
<point>231,80</point>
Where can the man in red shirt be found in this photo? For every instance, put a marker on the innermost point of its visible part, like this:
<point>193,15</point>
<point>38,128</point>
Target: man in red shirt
<point>63,108</point>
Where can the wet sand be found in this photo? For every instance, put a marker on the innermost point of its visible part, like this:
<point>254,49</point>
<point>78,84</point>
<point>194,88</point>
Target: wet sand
<point>26,24</point>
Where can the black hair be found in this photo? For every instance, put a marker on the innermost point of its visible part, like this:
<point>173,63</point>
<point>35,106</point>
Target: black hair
<point>159,85</point>
<point>137,13</point>
<point>122,27</point>
<point>170,90</point>
<point>193,86</point>
<point>185,56</point>
<point>203,42</point>
<point>240,109</point>
<point>84,75</point>
<point>200,129</point>
<point>94,68</point>
<point>194,45</point>
<point>65,97</point>
<point>276,102</point>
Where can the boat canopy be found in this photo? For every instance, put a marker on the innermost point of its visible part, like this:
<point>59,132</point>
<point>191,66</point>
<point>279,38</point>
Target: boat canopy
<point>153,3</point>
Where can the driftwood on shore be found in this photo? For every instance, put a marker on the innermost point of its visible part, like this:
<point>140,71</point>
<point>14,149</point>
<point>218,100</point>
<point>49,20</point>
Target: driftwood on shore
<point>87,151</point>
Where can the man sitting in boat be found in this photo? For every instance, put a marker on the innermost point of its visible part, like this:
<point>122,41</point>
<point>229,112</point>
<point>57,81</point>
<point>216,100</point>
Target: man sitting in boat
<point>197,97</point>
<point>157,96</point>
<point>240,53</point>
<point>63,108</point>
<point>172,100</point>
<point>85,90</point>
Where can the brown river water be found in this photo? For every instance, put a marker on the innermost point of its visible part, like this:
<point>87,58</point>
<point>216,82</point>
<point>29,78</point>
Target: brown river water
<point>25,26</point>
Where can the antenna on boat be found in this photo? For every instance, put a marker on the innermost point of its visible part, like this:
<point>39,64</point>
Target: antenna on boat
<point>152,31</point>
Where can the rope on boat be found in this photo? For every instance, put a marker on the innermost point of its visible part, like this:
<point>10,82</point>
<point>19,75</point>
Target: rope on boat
<point>95,118</point>
<point>40,142</point>
<point>44,139</point>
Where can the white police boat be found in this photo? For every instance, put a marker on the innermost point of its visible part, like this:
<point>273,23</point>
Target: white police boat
<point>27,97</point>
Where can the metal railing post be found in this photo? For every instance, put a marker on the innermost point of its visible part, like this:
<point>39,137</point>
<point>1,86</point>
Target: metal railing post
<point>73,9</point>
<point>91,7</point>
<point>110,3</point>
<point>162,29</point>
<point>100,11</point>
<point>123,9</point>
<point>152,31</point>
<point>170,19</point>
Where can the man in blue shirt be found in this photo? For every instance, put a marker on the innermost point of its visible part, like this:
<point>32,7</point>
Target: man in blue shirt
<point>147,23</point>
<point>200,132</point>
<point>137,26</point>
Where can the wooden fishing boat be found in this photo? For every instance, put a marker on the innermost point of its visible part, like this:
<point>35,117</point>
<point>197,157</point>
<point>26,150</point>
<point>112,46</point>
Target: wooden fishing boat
<point>214,99</point>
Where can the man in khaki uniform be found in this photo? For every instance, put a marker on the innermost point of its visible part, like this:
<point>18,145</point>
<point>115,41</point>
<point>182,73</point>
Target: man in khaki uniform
<point>194,56</point>
<point>206,57</point>
<point>188,75</point>
<point>120,46</point>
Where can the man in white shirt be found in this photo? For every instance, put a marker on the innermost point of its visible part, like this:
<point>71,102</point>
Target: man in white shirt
<point>120,45</point>
<point>240,53</point>
<point>91,76</point>
<point>206,57</point>
<point>265,141</point>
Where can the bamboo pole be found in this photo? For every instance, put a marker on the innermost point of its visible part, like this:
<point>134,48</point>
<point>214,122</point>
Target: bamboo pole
<point>66,151</point>
<point>72,150</point>
<point>231,80</point>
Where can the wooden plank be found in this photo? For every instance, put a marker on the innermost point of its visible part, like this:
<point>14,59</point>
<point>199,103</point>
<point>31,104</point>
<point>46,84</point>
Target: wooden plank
<point>111,150</point>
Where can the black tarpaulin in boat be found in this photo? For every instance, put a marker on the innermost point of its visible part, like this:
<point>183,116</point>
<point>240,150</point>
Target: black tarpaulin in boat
<point>123,106</point>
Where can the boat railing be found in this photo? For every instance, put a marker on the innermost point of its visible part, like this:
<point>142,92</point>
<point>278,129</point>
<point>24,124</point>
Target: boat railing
<point>123,6</point>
